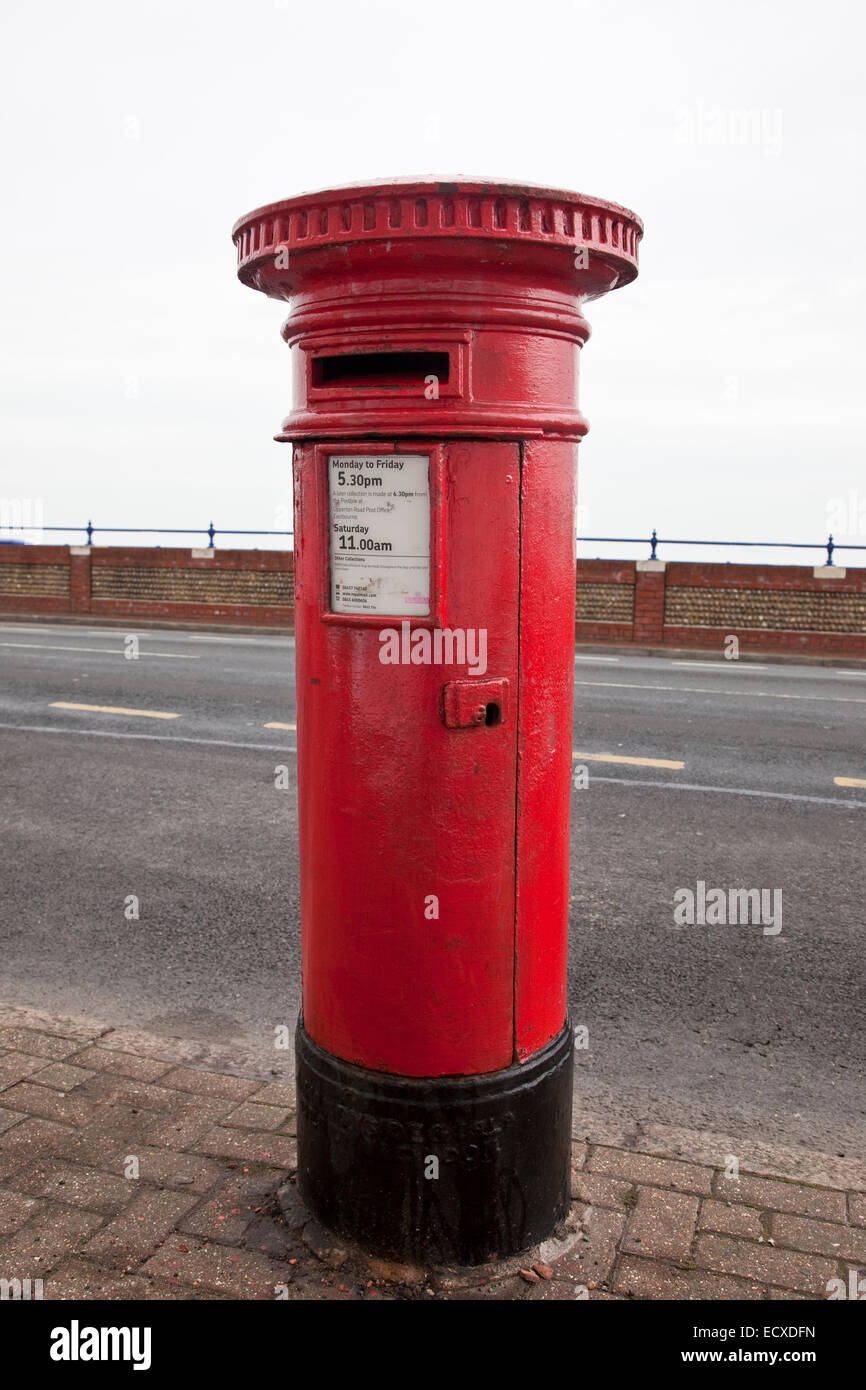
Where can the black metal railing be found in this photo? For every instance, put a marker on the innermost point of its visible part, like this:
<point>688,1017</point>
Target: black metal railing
<point>654,541</point>
<point>90,531</point>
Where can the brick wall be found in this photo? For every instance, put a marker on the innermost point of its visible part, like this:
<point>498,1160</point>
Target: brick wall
<point>34,579</point>
<point>650,603</point>
<point>791,608</point>
<point>221,586</point>
<point>604,609</point>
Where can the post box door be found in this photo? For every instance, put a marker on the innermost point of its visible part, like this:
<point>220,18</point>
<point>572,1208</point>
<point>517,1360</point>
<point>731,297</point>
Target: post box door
<point>408,814</point>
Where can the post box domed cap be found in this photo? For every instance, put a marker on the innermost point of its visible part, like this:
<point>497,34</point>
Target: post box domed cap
<point>398,210</point>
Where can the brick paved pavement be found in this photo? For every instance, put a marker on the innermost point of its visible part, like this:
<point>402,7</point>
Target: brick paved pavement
<point>128,1170</point>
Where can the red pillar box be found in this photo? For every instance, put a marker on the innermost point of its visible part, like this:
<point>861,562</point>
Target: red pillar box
<point>434,335</point>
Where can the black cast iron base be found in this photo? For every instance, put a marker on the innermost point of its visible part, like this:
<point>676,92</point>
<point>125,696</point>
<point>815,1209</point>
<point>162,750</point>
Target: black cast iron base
<point>442,1170</point>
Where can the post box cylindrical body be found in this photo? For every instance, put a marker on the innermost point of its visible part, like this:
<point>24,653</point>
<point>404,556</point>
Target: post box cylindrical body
<point>435,332</point>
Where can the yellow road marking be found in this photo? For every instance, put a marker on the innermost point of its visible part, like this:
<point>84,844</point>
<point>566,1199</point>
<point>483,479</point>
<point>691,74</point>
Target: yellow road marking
<point>634,762</point>
<point>850,781</point>
<point>279,726</point>
<point>115,709</point>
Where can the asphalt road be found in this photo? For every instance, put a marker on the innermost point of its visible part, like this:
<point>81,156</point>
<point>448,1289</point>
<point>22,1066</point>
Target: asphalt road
<point>721,1027</point>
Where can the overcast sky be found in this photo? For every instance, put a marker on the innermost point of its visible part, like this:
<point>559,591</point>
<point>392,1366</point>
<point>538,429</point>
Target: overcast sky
<point>142,383</point>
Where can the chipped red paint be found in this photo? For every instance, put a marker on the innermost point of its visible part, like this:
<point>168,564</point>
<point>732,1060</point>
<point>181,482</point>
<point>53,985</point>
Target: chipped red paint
<point>479,287</point>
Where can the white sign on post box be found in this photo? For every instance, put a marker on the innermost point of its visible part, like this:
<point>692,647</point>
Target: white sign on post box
<point>379,520</point>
